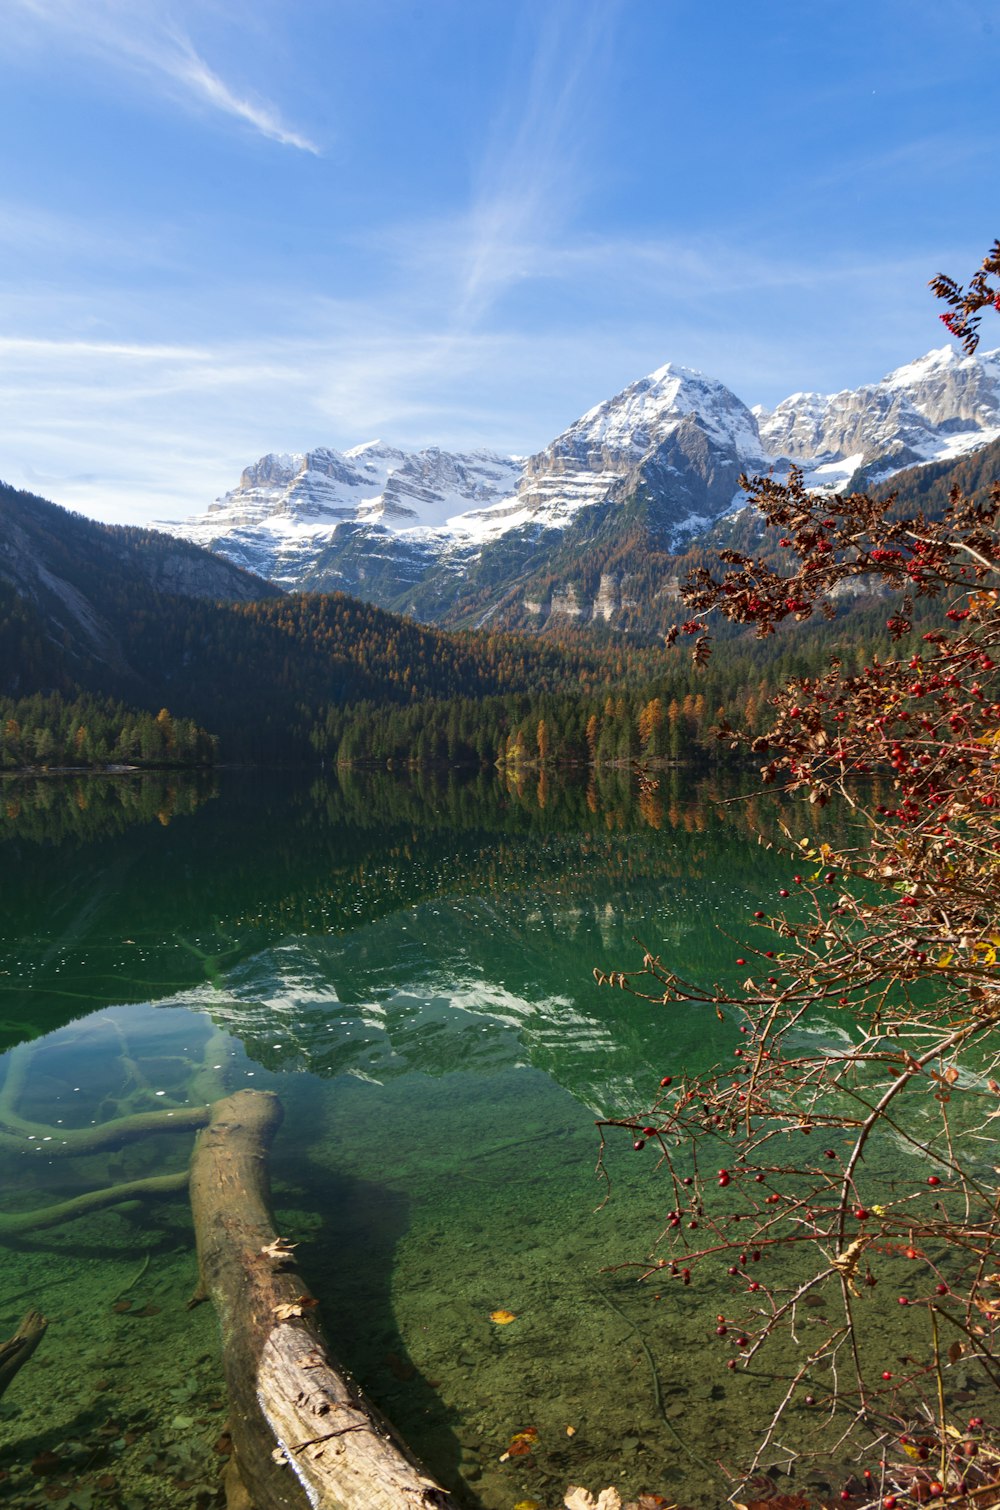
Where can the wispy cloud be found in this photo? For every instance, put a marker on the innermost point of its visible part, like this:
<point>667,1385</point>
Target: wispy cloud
<point>145,37</point>
<point>188,68</point>
<point>532,174</point>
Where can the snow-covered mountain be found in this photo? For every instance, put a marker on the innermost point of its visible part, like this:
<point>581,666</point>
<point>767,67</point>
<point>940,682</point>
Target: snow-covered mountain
<point>445,535</point>
<point>286,509</point>
<point>941,405</point>
<point>676,431</point>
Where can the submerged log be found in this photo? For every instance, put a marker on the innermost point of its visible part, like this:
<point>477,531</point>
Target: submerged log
<point>303,1432</point>
<point>15,1353</point>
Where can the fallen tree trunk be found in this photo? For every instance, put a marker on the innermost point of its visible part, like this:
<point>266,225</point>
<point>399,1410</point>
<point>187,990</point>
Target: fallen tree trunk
<point>15,1353</point>
<point>303,1433</point>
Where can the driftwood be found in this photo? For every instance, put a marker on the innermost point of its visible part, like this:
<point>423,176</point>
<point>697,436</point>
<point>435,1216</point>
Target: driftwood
<point>303,1433</point>
<point>15,1353</point>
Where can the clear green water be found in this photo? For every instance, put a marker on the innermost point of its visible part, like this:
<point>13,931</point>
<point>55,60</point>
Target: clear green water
<point>409,967</point>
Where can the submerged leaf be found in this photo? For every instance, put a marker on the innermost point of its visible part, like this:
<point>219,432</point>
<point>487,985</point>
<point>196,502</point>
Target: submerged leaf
<point>503,1317</point>
<point>521,1444</point>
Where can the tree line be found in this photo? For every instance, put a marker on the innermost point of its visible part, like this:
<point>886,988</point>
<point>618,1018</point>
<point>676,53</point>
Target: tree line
<point>52,730</point>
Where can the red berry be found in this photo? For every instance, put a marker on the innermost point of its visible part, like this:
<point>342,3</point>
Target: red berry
<point>861,1213</point>
<point>667,1080</point>
<point>741,961</point>
<point>829,1153</point>
<point>886,1374</point>
<point>721,1331</point>
<point>758,914</point>
<point>810,1399</point>
<point>933,1179</point>
<point>723,1178</point>
<point>940,1289</point>
<point>890,1502</point>
<point>784,893</point>
<point>649,1131</point>
<point>730,1362</point>
<point>797,880</point>
<point>638,1144</point>
<point>903,1301</point>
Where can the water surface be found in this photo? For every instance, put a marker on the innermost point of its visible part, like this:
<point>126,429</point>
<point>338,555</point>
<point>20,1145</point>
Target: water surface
<point>408,965</point>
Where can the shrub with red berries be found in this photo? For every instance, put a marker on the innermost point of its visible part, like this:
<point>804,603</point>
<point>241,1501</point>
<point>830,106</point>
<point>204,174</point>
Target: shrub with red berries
<point>870,1011</point>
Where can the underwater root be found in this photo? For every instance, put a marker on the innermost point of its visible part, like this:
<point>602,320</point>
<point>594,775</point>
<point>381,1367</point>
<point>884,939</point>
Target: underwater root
<point>15,1353</point>
<point>303,1432</point>
<point>107,1137</point>
<point>14,1223</point>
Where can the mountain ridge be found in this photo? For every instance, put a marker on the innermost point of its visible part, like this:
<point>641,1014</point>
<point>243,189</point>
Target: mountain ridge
<point>451,538</point>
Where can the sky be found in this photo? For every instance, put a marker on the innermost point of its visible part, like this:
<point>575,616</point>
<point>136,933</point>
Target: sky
<point>229,227</point>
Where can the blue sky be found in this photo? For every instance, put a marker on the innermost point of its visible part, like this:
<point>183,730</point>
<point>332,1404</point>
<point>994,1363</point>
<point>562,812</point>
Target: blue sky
<point>229,228</point>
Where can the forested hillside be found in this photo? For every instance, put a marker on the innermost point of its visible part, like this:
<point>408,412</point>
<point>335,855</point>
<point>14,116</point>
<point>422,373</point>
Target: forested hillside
<point>142,624</point>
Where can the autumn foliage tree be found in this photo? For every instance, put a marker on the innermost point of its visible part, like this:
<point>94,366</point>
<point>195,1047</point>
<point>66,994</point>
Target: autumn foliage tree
<point>844,1159</point>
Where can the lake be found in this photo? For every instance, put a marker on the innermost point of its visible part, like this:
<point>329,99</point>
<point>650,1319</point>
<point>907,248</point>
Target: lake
<point>407,961</point>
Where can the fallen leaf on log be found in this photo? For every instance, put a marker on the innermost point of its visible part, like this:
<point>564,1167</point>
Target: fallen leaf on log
<point>290,1308</point>
<point>279,1249</point>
